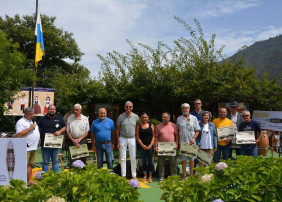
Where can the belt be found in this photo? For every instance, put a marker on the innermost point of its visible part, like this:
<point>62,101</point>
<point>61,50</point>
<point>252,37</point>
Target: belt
<point>108,142</point>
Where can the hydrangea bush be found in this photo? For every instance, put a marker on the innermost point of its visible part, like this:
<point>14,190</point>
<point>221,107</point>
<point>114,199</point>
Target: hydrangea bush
<point>244,179</point>
<point>88,184</point>
<point>134,183</point>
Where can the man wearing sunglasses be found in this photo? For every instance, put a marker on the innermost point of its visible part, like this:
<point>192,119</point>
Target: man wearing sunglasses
<point>250,125</point>
<point>197,112</point>
<point>125,136</point>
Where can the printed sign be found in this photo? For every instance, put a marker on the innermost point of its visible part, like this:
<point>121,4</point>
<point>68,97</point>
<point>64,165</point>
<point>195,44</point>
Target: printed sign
<point>269,120</point>
<point>13,163</point>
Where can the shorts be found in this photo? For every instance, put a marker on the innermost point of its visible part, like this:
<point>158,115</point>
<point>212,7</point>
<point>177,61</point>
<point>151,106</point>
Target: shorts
<point>31,156</point>
<point>185,158</point>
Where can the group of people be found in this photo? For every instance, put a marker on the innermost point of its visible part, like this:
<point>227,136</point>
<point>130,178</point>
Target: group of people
<point>193,127</point>
<point>77,129</point>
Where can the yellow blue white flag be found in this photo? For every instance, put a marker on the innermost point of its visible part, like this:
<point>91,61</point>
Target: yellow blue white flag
<point>39,52</point>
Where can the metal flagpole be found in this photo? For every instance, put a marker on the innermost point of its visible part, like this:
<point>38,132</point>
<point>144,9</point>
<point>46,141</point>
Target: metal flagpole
<point>34,68</point>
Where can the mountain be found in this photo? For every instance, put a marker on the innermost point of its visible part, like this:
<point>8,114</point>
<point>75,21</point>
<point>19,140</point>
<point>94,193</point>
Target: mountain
<point>264,56</point>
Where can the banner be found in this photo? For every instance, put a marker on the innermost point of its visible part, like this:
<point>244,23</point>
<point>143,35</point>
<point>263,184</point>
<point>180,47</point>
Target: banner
<point>269,120</point>
<point>12,160</point>
<point>43,97</point>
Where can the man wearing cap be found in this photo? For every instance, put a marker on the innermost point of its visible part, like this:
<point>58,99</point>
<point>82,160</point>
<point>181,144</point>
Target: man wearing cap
<point>237,119</point>
<point>197,112</point>
<point>189,128</point>
<point>27,128</point>
<point>250,125</point>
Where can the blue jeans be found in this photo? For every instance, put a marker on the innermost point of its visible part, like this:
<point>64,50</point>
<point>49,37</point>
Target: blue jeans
<point>249,150</point>
<point>54,154</point>
<point>100,149</point>
<point>147,160</point>
<point>225,150</point>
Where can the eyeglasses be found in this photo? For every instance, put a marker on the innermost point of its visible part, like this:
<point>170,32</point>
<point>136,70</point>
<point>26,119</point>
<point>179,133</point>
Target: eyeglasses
<point>245,115</point>
<point>197,103</point>
<point>128,106</point>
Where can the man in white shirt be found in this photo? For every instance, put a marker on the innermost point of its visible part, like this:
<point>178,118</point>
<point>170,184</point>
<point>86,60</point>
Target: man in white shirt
<point>27,128</point>
<point>77,129</point>
<point>189,129</point>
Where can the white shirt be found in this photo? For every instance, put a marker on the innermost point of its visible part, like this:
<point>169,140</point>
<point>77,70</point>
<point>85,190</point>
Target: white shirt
<point>234,120</point>
<point>206,140</point>
<point>77,127</point>
<point>187,129</point>
<point>32,138</point>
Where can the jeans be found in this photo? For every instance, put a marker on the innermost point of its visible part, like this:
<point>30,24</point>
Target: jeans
<point>100,149</point>
<point>172,165</point>
<point>54,154</point>
<point>131,142</point>
<point>249,150</point>
<point>225,150</point>
<point>147,160</point>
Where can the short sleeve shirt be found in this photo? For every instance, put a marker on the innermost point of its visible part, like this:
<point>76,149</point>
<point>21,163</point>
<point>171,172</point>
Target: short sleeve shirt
<point>50,125</point>
<point>187,129</point>
<point>127,125</point>
<point>32,138</point>
<point>219,123</point>
<point>103,129</point>
<point>76,127</point>
<point>251,126</point>
<point>166,133</point>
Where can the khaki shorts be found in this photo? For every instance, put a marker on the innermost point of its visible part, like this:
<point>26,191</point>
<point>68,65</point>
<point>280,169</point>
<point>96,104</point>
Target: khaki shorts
<point>31,156</point>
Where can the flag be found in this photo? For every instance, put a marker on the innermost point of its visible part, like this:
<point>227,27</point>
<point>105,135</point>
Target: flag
<point>39,52</point>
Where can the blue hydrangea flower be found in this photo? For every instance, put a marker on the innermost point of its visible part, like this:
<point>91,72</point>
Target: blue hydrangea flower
<point>78,164</point>
<point>38,174</point>
<point>134,183</point>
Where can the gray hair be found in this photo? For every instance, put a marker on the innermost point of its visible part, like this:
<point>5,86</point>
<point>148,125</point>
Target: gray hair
<point>78,105</point>
<point>128,102</point>
<point>28,109</point>
<point>204,113</point>
<point>246,112</point>
<point>186,105</point>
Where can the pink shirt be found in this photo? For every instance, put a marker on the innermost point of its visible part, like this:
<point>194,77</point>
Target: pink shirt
<point>166,133</point>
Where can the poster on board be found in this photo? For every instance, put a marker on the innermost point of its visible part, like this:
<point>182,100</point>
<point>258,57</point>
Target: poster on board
<point>269,120</point>
<point>12,160</point>
<point>43,97</point>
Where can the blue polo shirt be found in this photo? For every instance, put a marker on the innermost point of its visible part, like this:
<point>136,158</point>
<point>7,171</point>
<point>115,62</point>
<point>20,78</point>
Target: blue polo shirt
<point>103,129</point>
<point>194,113</point>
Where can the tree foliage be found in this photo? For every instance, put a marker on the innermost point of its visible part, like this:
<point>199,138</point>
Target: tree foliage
<point>59,68</point>
<point>160,79</point>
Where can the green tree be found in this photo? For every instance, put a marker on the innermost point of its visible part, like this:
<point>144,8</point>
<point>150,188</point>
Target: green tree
<point>12,74</point>
<point>160,79</point>
<point>59,68</point>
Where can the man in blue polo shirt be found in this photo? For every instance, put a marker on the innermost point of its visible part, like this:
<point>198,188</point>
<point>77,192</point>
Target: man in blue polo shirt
<point>50,123</point>
<point>198,109</point>
<point>102,135</point>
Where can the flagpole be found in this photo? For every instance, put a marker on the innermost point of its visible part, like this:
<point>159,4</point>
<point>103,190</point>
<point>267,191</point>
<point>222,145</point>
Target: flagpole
<point>34,68</point>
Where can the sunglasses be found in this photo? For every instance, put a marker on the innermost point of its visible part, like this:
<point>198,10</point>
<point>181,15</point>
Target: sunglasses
<point>245,115</point>
<point>197,103</point>
<point>128,106</point>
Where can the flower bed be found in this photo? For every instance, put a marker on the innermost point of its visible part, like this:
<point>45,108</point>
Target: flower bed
<point>246,179</point>
<point>79,184</point>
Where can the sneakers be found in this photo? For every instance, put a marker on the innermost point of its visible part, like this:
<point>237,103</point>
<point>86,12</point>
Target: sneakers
<point>161,179</point>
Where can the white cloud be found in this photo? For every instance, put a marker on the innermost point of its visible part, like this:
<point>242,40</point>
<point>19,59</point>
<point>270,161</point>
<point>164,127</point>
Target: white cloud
<point>213,9</point>
<point>234,40</point>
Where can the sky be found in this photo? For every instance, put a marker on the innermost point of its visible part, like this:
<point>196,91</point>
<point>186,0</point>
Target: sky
<point>101,26</point>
